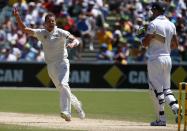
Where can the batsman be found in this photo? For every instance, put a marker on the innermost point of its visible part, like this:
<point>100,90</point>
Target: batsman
<point>160,37</point>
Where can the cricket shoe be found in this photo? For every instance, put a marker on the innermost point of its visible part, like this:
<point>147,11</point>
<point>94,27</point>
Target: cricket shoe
<point>158,123</point>
<point>79,110</point>
<point>65,115</point>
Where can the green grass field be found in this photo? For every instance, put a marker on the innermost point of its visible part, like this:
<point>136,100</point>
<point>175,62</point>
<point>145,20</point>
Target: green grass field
<point>121,105</point>
<point>7,127</point>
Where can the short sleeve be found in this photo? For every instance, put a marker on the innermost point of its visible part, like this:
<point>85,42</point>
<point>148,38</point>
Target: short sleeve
<point>38,33</point>
<point>174,29</point>
<point>151,28</point>
<point>65,33</point>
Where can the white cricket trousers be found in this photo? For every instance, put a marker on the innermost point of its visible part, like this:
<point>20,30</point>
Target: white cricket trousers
<point>59,73</point>
<point>159,73</point>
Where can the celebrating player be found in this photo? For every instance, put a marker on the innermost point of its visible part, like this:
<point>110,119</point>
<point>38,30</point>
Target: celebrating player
<point>55,42</point>
<point>160,38</point>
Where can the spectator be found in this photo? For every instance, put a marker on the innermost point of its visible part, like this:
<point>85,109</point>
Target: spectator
<point>104,35</point>
<point>21,39</point>
<point>85,27</point>
<point>105,54</point>
<point>75,8</point>
<point>21,4</point>
<point>2,37</point>
<point>12,36</point>
<point>74,30</point>
<point>95,13</point>
<point>97,21</point>
<point>40,17</point>
<point>121,55</point>
<point>65,22</point>
<point>16,52</point>
<point>29,53</point>
<point>117,36</point>
<point>7,55</point>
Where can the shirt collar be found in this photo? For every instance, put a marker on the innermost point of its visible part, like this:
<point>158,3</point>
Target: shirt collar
<point>53,30</point>
<point>161,17</point>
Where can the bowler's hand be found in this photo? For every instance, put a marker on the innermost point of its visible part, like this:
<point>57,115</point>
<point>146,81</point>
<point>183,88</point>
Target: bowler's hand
<point>71,45</point>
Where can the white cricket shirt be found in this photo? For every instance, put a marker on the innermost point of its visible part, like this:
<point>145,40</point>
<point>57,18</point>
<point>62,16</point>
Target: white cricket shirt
<point>162,26</point>
<point>54,43</point>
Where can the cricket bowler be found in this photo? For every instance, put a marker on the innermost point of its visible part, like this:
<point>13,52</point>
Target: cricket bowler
<point>55,42</point>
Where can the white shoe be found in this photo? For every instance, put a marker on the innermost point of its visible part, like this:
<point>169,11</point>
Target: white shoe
<point>81,114</point>
<point>80,111</point>
<point>65,115</point>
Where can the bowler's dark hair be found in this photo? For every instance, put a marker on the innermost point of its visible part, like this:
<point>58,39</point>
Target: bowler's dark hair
<point>48,16</point>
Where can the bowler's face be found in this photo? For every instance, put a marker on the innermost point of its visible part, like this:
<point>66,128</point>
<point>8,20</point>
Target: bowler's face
<point>50,23</point>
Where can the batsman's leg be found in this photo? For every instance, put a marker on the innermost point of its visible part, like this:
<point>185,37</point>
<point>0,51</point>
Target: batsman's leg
<point>155,103</point>
<point>172,102</point>
<point>155,83</point>
<point>169,96</point>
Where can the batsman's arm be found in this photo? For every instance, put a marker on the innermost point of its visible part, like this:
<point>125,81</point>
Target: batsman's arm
<point>174,42</point>
<point>146,40</point>
<point>21,24</point>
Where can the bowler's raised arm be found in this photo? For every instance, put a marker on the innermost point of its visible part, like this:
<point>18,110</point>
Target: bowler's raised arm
<point>20,22</point>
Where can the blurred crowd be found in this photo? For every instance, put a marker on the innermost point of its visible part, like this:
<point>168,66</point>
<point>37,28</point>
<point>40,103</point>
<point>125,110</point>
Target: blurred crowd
<point>108,27</point>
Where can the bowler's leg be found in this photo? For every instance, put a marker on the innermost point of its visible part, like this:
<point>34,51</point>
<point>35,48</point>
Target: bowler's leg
<point>65,103</point>
<point>66,93</point>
